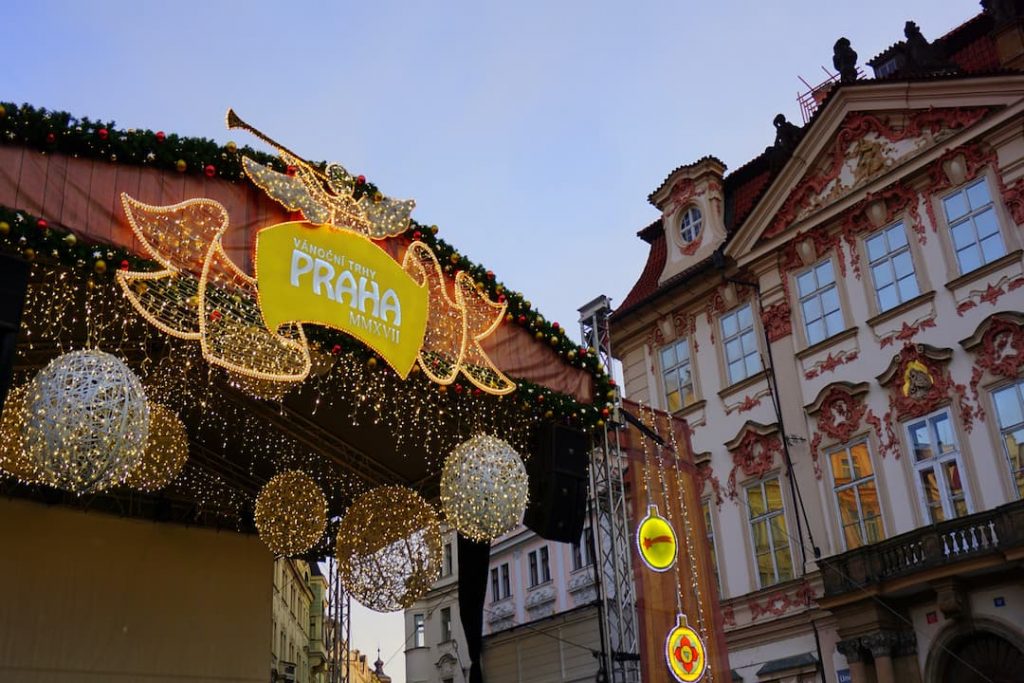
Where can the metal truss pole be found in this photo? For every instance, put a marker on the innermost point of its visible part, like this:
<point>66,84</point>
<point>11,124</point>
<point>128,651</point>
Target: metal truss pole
<point>610,524</point>
<point>338,629</point>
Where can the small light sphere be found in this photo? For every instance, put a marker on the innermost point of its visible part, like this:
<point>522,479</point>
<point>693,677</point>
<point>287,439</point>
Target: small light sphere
<point>484,488</point>
<point>165,454</point>
<point>389,548</point>
<point>291,513</point>
<point>87,421</point>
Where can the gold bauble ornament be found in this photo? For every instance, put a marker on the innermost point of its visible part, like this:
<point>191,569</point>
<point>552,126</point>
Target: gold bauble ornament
<point>5,228</point>
<point>291,513</point>
<point>14,461</point>
<point>165,454</point>
<point>100,267</point>
<point>483,488</point>
<point>389,548</point>
<point>180,165</point>
<point>231,147</point>
<point>70,239</point>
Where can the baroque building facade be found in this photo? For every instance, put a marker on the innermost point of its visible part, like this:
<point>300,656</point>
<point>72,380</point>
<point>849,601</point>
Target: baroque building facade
<point>839,323</point>
<point>540,615</point>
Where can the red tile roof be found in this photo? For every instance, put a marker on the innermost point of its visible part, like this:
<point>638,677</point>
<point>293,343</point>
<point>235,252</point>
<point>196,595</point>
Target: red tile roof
<point>648,282</point>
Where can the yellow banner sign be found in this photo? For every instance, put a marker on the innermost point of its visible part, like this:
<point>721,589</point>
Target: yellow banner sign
<point>318,274</point>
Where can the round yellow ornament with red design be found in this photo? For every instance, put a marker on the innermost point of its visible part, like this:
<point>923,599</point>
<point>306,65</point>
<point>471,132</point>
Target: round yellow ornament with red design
<point>685,653</point>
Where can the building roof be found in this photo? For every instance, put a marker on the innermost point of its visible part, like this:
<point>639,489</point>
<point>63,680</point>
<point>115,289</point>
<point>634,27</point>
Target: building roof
<point>970,46</point>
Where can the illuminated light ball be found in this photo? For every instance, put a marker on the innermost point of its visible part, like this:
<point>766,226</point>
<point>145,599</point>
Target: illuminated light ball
<point>389,548</point>
<point>165,453</point>
<point>291,513</point>
<point>210,170</point>
<point>14,461</point>
<point>87,421</point>
<point>180,165</point>
<point>232,147</point>
<point>484,488</point>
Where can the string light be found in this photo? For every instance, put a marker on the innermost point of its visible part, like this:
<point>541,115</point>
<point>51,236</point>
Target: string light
<point>87,421</point>
<point>14,461</point>
<point>291,513</point>
<point>389,548</point>
<point>165,454</point>
<point>483,488</point>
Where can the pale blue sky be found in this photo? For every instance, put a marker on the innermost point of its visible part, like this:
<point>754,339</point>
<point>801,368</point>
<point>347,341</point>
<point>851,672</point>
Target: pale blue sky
<point>530,132</point>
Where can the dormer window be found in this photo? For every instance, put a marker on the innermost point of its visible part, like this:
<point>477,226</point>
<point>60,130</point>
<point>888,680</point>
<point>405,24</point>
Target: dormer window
<point>689,227</point>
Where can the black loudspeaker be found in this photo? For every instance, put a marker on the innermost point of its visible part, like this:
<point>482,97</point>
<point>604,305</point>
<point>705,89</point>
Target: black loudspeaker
<point>13,285</point>
<point>558,483</point>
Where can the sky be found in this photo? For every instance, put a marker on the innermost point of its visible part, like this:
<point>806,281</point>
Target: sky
<point>530,132</point>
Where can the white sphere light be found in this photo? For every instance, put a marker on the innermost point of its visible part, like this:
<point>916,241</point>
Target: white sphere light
<point>484,488</point>
<point>87,421</point>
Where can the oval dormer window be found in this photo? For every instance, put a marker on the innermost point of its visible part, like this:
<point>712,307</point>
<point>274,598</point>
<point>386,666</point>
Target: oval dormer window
<point>690,226</point>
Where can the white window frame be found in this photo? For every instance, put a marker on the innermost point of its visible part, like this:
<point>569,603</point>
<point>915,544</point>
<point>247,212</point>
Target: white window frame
<point>446,624</point>
<point>855,484</point>
<point>690,225</point>
<point>888,259</point>
<point>1018,387</point>
<point>739,336</point>
<point>447,563</point>
<point>419,630</point>
<point>970,216</point>
<point>533,568</point>
<point>937,462</point>
<point>705,509</point>
<point>686,397</point>
<point>767,517</point>
<point>506,581</point>
<point>582,550</point>
<point>817,294</point>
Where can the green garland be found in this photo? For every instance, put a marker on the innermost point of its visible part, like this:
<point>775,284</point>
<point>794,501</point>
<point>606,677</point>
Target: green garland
<point>59,132</point>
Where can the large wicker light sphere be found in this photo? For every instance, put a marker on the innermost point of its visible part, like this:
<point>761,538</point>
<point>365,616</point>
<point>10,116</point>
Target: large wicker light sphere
<point>484,488</point>
<point>87,421</point>
<point>291,513</point>
<point>14,461</point>
<point>165,454</point>
<point>389,548</point>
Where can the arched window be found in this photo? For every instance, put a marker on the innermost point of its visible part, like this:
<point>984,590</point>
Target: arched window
<point>689,227</point>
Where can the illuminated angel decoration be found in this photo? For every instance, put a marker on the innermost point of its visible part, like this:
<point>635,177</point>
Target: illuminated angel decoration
<point>325,196</point>
<point>219,307</point>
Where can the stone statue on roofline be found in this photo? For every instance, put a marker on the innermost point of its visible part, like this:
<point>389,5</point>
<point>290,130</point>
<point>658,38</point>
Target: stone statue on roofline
<point>844,59</point>
<point>787,134</point>
<point>922,56</point>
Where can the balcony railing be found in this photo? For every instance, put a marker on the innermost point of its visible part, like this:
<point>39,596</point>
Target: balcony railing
<point>984,533</point>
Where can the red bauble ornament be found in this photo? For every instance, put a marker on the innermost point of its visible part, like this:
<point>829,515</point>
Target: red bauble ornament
<point>476,391</point>
<point>125,264</point>
<point>51,138</point>
<point>490,274</point>
<point>210,170</point>
<point>291,170</point>
<point>360,180</point>
<point>103,133</point>
<point>336,349</point>
<point>540,398</point>
<point>160,136</point>
<point>522,319</point>
<point>555,326</point>
<point>42,224</point>
<point>458,388</point>
<point>501,298</point>
<point>214,315</point>
<point>416,235</point>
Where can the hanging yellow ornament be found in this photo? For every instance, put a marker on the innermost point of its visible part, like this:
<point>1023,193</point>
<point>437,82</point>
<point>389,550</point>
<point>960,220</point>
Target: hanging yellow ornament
<point>685,653</point>
<point>656,541</point>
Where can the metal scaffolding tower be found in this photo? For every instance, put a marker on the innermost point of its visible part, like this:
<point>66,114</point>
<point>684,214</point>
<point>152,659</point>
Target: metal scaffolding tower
<point>338,627</point>
<point>610,522</point>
